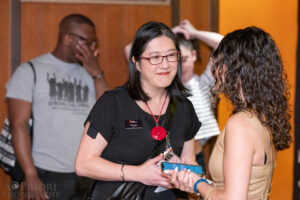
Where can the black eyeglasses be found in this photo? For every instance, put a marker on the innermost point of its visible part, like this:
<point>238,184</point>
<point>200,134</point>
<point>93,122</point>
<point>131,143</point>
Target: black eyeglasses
<point>155,60</point>
<point>86,40</point>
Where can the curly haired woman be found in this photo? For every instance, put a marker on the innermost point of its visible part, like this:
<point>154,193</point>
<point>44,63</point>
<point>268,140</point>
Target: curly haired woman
<point>248,70</point>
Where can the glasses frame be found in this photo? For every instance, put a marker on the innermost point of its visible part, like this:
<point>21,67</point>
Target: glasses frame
<point>163,57</point>
<point>86,40</point>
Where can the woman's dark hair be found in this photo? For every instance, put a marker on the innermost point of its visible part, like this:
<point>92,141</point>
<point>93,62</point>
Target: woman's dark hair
<point>143,36</point>
<point>248,62</point>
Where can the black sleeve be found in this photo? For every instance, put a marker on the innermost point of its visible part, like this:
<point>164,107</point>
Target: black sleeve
<point>195,123</point>
<point>101,117</point>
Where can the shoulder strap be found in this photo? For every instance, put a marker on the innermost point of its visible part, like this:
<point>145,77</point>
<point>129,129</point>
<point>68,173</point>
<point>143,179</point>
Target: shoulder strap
<point>31,116</point>
<point>167,123</point>
<point>34,73</point>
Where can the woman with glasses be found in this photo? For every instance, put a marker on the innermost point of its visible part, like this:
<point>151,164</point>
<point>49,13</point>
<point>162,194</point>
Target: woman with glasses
<point>248,70</point>
<point>128,123</point>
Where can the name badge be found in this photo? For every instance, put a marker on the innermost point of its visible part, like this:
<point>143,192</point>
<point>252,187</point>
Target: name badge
<point>133,124</point>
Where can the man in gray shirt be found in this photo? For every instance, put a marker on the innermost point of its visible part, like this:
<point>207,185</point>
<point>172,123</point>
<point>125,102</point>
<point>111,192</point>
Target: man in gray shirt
<point>68,81</point>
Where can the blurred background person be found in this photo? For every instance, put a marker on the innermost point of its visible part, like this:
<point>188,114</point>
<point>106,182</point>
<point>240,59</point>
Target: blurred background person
<point>58,110</point>
<point>199,86</point>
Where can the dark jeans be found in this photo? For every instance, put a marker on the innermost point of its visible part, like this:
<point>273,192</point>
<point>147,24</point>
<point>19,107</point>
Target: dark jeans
<point>63,186</point>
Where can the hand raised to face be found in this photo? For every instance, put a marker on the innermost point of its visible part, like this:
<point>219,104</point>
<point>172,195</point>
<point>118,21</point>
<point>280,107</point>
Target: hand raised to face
<point>88,55</point>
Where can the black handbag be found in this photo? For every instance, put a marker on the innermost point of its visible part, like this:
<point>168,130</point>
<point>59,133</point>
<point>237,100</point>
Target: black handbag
<point>129,191</point>
<point>134,190</point>
<point>8,160</point>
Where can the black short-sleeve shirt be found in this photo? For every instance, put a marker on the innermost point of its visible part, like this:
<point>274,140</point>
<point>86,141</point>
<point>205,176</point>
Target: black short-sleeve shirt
<point>127,129</point>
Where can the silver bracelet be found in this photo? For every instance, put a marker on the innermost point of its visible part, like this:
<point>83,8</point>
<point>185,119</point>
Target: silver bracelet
<point>122,173</point>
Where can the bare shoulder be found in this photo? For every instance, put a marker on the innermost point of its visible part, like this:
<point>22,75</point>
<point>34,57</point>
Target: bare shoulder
<point>240,127</point>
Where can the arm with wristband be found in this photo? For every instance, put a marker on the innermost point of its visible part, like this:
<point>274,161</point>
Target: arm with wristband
<point>209,191</point>
<point>190,182</point>
<point>203,187</point>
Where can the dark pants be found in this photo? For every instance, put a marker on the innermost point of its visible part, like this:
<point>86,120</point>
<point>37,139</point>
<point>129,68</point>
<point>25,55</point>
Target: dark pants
<point>63,186</point>
<point>200,161</point>
<point>59,186</point>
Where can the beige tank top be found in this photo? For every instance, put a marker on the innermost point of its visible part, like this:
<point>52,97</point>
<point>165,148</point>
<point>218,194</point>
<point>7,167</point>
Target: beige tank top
<point>261,176</point>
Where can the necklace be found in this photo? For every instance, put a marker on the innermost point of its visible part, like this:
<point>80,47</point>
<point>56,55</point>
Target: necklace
<point>158,132</point>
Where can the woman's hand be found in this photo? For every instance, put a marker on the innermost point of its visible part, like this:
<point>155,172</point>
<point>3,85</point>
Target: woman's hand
<point>150,174</point>
<point>183,179</point>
